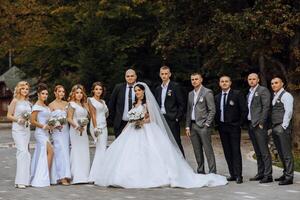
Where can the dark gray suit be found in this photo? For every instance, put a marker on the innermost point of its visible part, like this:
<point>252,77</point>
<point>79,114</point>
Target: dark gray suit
<point>201,127</point>
<point>259,111</point>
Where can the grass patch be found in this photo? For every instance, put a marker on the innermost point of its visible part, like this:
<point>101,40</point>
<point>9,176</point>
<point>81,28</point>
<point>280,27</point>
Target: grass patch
<point>279,164</point>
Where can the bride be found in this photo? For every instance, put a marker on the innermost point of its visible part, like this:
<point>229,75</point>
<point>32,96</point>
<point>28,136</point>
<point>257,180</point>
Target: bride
<point>146,155</point>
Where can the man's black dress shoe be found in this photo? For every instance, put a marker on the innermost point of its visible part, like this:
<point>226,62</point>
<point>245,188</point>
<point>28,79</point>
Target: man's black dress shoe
<point>256,178</point>
<point>286,182</point>
<point>239,180</point>
<point>231,178</point>
<point>266,179</point>
<point>281,178</point>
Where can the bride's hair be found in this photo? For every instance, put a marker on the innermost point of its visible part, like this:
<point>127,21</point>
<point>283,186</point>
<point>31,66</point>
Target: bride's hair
<point>142,88</point>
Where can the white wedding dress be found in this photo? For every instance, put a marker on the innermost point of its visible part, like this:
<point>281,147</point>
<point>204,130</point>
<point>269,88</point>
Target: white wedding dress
<point>80,153</point>
<point>101,110</point>
<point>61,144</point>
<point>147,157</point>
<point>21,136</point>
<point>40,175</point>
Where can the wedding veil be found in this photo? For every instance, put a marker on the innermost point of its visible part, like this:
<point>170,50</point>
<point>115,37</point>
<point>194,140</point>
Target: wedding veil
<point>157,117</point>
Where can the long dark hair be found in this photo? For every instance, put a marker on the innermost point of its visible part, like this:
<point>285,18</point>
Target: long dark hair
<point>142,88</point>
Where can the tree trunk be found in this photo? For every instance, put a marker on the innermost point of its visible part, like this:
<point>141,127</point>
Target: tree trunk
<point>262,67</point>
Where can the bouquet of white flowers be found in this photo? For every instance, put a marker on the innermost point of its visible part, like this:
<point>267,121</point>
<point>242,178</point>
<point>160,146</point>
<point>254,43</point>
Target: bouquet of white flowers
<point>62,120</point>
<point>82,123</point>
<point>136,117</point>
<point>26,116</point>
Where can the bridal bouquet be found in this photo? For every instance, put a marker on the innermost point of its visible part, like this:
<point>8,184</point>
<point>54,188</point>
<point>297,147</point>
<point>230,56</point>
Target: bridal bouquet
<point>136,117</point>
<point>26,116</point>
<point>82,123</point>
<point>53,123</point>
<point>57,122</point>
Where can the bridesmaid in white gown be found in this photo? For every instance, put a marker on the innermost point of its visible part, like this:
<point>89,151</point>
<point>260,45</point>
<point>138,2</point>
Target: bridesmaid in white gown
<point>148,156</point>
<point>42,160</point>
<point>80,154</point>
<point>61,137</point>
<point>21,132</point>
<point>98,129</point>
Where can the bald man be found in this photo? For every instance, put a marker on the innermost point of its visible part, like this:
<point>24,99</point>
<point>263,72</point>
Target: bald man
<point>121,101</point>
<point>281,117</point>
<point>259,101</point>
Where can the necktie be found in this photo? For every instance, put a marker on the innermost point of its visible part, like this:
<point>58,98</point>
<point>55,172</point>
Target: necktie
<point>224,105</point>
<point>130,98</point>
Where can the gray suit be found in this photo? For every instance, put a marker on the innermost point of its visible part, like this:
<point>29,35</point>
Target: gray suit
<point>259,110</point>
<point>201,127</point>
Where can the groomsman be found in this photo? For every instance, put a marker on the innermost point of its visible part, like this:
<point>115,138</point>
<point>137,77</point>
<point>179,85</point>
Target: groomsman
<point>281,115</point>
<point>121,101</point>
<point>259,101</point>
<point>170,99</point>
<point>231,112</point>
<point>200,115</point>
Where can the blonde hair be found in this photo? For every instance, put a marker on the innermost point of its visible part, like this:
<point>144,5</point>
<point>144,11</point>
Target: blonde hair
<point>57,87</point>
<point>19,86</point>
<point>72,94</point>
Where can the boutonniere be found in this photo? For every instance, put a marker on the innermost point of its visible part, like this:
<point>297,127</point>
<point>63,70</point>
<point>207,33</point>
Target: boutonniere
<point>231,103</point>
<point>277,101</point>
<point>256,94</point>
<point>169,92</point>
<point>201,99</point>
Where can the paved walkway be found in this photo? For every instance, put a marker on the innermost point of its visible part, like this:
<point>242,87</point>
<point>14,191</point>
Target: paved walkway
<point>232,191</point>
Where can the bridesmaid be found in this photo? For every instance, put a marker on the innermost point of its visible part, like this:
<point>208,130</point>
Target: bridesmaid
<point>21,132</point>
<point>80,154</point>
<point>99,113</point>
<point>61,137</point>
<point>43,153</point>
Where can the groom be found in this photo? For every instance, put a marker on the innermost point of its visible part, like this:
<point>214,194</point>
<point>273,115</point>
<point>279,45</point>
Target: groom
<point>121,101</point>
<point>170,100</point>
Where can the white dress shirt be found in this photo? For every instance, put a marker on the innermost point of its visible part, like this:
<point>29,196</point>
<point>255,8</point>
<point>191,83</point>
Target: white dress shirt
<point>163,97</point>
<point>288,102</point>
<point>221,104</point>
<point>125,112</point>
<point>250,97</point>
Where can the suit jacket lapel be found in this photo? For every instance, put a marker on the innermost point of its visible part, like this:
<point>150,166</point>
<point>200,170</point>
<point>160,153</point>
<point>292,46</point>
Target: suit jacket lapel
<point>228,99</point>
<point>123,93</point>
<point>201,93</point>
<point>159,95</point>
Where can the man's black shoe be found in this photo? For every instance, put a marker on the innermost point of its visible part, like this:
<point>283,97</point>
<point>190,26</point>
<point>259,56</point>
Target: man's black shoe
<point>281,178</point>
<point>256,178</point>
<point>239,180</point>
<point>266,179</point>
<point>286,182</point>
<point>231,178</point>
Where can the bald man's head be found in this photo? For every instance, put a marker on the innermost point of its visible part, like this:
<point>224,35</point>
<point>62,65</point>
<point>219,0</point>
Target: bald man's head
<point>130,76</point>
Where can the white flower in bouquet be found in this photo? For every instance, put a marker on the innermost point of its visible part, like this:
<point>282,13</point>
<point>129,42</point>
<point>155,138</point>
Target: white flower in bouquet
<point>52,122</point>
<point>136,117</point>
<point>62,120</point>
<point>97,132</point>
<point>82,123</point>
<point>26,116</point>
